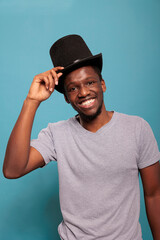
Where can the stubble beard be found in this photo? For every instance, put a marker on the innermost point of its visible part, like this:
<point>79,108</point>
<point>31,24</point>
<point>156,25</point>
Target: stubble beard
<point>88,118</point>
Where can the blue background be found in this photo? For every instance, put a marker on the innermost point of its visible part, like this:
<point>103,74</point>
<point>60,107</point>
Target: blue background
<point>127,32</point>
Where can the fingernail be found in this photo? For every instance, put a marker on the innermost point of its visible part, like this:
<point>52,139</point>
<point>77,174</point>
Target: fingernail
<point>51,89</point>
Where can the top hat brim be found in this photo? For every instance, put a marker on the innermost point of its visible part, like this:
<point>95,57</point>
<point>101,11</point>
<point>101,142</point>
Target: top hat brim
<point>89,61</point>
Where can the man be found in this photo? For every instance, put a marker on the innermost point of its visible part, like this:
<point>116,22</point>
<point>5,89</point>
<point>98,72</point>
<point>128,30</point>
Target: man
<point>99,153</point>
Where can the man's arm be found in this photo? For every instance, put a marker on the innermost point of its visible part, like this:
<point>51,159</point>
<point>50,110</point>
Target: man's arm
<point>20,158</point>
<point>151,186</point>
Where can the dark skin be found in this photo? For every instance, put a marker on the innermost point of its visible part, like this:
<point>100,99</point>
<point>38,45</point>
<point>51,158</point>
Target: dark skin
<point>84,85</point>
<point>84,91</point>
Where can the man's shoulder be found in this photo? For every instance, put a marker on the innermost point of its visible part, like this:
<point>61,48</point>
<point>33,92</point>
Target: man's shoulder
<point>62,123</point>
<point>129,119</point>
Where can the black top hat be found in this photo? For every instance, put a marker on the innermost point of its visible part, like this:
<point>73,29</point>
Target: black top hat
<point>71,52</point>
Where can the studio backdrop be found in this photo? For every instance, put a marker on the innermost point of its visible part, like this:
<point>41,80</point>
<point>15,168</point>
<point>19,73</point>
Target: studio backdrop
<point>127,32</point>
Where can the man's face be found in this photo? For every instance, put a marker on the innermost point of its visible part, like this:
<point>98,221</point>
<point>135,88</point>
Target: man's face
<point>84,91</point>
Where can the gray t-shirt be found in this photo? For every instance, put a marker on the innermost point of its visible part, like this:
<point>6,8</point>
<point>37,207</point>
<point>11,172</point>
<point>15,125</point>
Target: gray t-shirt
<point>98,175</point>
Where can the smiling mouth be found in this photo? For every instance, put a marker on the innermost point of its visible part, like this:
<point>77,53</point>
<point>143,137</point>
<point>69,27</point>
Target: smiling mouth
<point>88,103</point>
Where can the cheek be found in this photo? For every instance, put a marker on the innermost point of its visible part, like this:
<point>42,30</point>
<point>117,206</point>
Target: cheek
<point>66,98</point>
<point>71,99</point>
<point>101,89</point>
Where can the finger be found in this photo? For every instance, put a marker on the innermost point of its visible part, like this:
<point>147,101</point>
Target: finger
<point>58,68</point>
<point>40,79</point>
<point>59,74</point>
<point>51,82</point>
<point>55,76</point>
<point>46,81</point>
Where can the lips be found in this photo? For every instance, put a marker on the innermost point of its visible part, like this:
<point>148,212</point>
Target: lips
<point>87,103</point>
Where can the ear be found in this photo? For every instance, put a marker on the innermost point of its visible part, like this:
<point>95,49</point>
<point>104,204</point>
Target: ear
<point>66,99</point>
<point>103,85</point>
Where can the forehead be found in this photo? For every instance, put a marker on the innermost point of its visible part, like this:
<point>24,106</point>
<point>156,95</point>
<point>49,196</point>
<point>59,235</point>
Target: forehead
<point>80,74</point>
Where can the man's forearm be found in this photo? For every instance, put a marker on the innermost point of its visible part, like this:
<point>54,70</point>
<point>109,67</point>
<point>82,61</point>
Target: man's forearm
<point>18,147</point>
<point>153,214</point>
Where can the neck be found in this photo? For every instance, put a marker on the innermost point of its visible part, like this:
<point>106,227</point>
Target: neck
<point>95,124</point>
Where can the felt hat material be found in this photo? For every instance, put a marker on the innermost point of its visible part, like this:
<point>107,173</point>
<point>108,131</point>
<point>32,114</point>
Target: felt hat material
<point>71,52</point>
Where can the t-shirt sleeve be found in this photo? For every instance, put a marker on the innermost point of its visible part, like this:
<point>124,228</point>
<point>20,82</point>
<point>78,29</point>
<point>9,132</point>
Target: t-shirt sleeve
<point>45,145</point>
<point>148,148</point>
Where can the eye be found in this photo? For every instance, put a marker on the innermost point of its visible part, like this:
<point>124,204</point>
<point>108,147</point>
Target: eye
<point>72,89</point>
<point>90,83</point>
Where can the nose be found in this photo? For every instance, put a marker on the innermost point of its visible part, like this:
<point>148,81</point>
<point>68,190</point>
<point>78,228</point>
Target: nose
<point>83,91</point>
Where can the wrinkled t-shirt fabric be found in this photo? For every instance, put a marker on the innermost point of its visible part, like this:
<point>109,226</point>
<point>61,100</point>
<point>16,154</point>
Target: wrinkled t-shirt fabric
<point>98,175</point>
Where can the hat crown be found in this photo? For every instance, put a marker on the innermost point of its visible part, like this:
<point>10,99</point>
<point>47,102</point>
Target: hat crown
<point>71,52</point>
<point>69,49</point>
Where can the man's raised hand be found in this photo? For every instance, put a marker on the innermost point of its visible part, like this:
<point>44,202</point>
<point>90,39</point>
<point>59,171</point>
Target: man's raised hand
<point>43,84</point>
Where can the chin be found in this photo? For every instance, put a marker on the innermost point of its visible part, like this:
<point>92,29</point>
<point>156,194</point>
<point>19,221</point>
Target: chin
<point>91,117</point>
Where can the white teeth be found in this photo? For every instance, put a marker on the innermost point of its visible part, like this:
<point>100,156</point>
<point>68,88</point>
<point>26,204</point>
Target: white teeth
<point>87,102</point>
